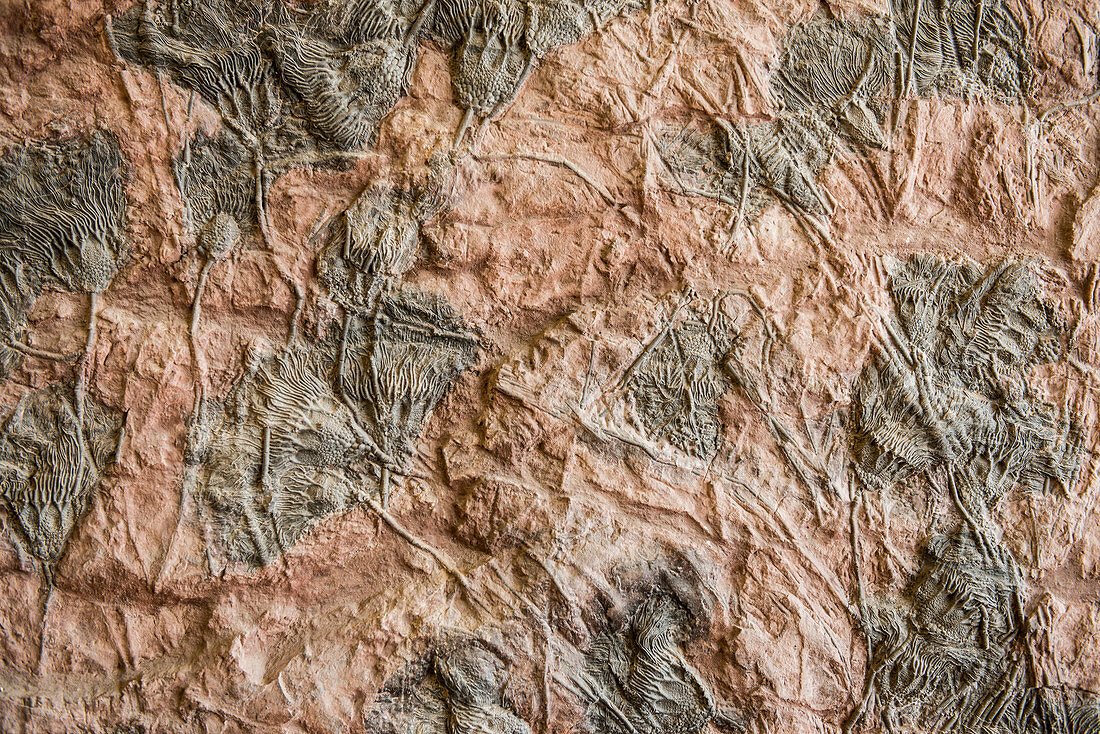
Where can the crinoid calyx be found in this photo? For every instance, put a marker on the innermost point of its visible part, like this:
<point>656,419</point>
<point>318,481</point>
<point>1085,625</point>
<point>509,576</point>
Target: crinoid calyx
<point>378,238</point>
<point>834,79</point>
<point>962,47</point>
<point>677,385</point>
<point>949,390</point>
<point>312,430</point>
<point>51,463</point>
<point>456,688</point>
<point>841,72</point>
<point>279,453</point>
<point>62,216</point>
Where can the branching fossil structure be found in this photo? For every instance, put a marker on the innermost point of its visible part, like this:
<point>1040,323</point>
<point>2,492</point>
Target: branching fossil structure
<point>947,395</point>
<point>395,367</point>
<point>639,681</point>
<point>677,386</point>
<point>954,655</point>
<point>456,689</point>
<point>949,389</point>
<point>51,462</point>
<point>311,430</point>
<point>295,88</point>
<point>378,238</point>
<point>962,48</point>
<point>62,210</point>
<point>834,79</point>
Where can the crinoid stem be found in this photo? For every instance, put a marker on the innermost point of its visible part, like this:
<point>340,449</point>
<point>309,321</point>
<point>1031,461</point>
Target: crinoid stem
<point>384,487</point>
<point>978,33</point>
<point>300,300</point>
<point>196,305</point>
<point>437,555</point>
<point>40,353</point>
<point>254,530</point>
<point>563,162</point>
<point>463,125</point>
<point>47,598</point>
<point>909,72</point>
<point>268,236</point>
<point>265,465</point>
<point>547,637</point>
<point>855,498</point>
<point>743,198</point>
<point>82,366</point>
<point>342,358</point>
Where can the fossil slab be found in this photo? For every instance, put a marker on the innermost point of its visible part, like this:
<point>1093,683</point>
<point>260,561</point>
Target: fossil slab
<point>549,366</point>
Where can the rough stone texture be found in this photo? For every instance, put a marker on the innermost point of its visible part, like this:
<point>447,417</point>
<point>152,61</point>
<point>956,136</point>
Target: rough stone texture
<point>651,496</point>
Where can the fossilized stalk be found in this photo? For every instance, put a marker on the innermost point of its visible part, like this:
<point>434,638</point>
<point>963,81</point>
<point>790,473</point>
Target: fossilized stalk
<point>40,353</point>
<point>196,305</point>
<point>438,556</point>
<point>82,367</point>
<point>463,125</point>
<point>909,73</point>
<point>384,487</point>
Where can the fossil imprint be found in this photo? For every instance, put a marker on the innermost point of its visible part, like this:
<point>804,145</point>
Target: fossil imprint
<point>834,79</point>
<point>316,429</point>
<point>455,689</point>
<point>837,82</point>
<point>51,461</point>
<point>638,679</point>
<point>949,390</point>
<point>947,397</point>
<point>62,211</point>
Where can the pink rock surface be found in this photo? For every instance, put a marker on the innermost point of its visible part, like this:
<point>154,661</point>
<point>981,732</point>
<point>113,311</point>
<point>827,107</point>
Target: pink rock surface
<point>531,477</point>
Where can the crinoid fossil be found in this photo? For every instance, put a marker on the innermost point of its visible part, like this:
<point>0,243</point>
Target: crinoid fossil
<point>962,47</point>
<point>843,72</point>
<point>310,431</point>
<point>495,44</point>
<point>952,654</point>
<point>677,385</point>
<point>457,688</point>
<point>949,390</point>
<point>281,452</point>
<point>396,364</point>
<point>833,79</point>
<point>62,211</point>
<point>306,87</point>
<point>377,239</point>
<point>346,90</point>
<point>51,462</point>
<point>638,679</point>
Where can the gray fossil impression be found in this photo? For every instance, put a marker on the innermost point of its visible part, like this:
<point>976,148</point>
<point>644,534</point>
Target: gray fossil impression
<point>62,210</point>
<point>834,79</point>
<point>456,689</point>
<point>953,654</point>
<point>376,241</point>
<point>947,398</point>
<point>948,391</point>
<point>51,462</point>
<point>309,88</point>
<point>637,679</point>
<point>315,429</point>
<point>965,47</point>
<point>678,382</point>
